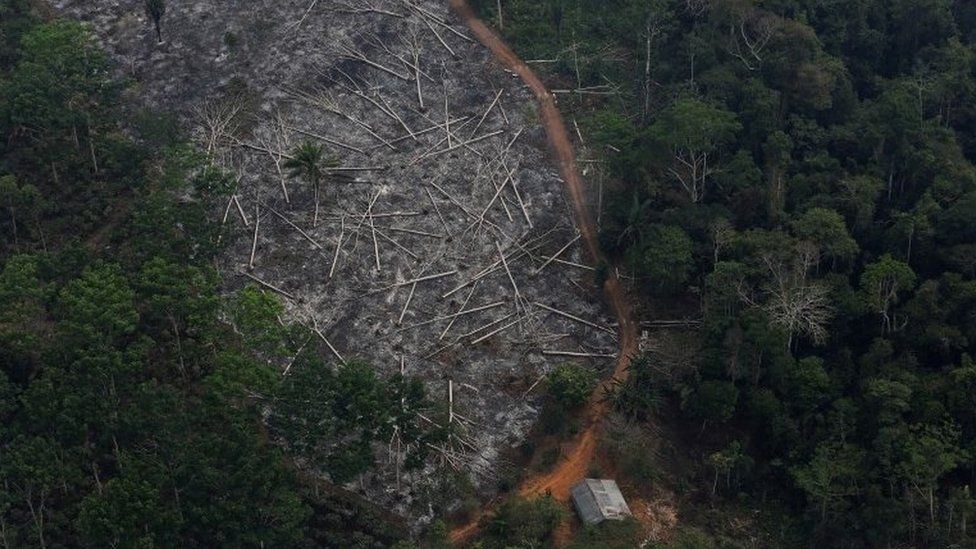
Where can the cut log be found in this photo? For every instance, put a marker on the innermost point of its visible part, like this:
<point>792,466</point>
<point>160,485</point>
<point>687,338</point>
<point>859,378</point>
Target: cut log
<point>557,254</point>
<point>271,287</point>
<point>254,241</point>
<point>293,226</point>
<point>496,331</point>
<point>580,355</point>
<point>463,305</point>
<point>574,318</point>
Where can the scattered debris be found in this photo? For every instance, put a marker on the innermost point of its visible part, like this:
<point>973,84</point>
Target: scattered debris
<point>444,247</point>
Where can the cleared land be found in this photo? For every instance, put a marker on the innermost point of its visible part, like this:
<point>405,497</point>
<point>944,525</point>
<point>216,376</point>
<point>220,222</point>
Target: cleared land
<point>443,246</point>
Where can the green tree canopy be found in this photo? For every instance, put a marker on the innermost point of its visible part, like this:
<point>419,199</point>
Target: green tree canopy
<point>828,231</point>
<point>882,283</point>
<point>664,259</point>
<point>99,306</point>
<point>692,131</point>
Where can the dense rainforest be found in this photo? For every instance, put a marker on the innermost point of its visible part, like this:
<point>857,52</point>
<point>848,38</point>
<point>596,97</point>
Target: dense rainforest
<point>794,177</point>
<point>798,175</point>
<point>139,405</point>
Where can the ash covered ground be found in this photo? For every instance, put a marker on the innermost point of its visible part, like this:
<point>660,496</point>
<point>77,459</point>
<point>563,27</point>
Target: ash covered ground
<point>442,173</point>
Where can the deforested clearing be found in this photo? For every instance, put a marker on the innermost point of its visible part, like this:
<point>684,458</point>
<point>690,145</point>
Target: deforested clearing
<point>439,243</point>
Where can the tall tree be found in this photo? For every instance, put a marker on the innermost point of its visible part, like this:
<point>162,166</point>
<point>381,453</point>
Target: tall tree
<point>776,152</point>
<point>831,475</point>
<point>882,282</point>
<point>827,231</point>
<point>664,259</point>
<point>30,472</point>
<point>55,102</point>
<point>155,9</point>
<point>928,452</point>
<point>693,131</point>
<point>333,419</point>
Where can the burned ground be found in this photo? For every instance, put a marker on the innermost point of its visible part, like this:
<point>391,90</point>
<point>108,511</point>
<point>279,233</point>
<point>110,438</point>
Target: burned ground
<point>433,251</point>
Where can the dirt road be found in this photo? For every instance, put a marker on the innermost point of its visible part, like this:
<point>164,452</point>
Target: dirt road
<point>577,459</point>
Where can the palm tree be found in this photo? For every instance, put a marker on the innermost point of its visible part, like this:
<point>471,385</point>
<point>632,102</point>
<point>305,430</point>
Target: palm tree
<point>309,161</point>
<point>633,230</point>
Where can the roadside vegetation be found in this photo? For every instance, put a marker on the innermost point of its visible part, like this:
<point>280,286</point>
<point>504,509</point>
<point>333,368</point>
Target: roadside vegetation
<point>798,177</point>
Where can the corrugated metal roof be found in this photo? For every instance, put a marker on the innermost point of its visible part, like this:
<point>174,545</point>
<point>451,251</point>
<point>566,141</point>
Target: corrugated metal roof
<point>597,500</point>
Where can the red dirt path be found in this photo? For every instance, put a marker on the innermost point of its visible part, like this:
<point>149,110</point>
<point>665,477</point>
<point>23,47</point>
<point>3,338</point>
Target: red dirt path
<point>577,458</point>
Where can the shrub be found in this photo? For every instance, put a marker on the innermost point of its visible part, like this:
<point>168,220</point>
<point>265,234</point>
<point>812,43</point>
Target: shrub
<point>570,385</point>
<point>714,400</point>
<point>611,534</point>
<point>523,523</point>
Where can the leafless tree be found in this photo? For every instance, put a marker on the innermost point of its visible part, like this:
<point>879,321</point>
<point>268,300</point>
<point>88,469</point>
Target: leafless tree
<point>652,28</point>
<point>748,35</point>
<point>792,301</point>
<point>696,171</point>
<point>276,142</point>
<point>219,120</point>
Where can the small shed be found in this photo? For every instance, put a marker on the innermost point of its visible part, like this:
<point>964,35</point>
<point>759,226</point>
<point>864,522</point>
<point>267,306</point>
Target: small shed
<point>597,500</point>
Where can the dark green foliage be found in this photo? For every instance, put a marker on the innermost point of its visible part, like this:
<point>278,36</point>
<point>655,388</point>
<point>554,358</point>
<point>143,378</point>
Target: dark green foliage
<point>255,314</point>
<point>437,536</point>
<point>333,419</point>
<point>714,401</point>
<point>59,80</point>
<point>826,230</point>
<point>663,258</point>
<point>61,144</point>
<point>98,307</point>
<point>307,161</point>
<point>611,534</point>
<point>640,396</point>
<point>522,523</point>
<point>570,385</point>
<point>689,131</point>
<point>132,396</point>
<point>805,171</point>
<point>335,510</point>
<point>883,282</point>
